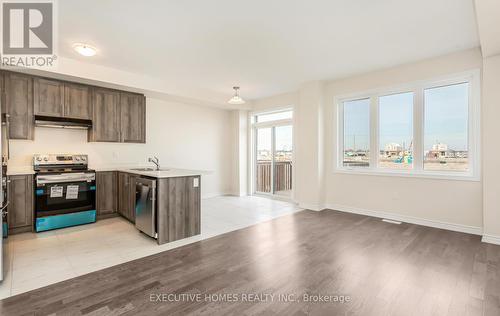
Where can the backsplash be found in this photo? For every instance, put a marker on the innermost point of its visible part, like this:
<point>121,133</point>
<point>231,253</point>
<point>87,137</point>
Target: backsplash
<point>53,140</point>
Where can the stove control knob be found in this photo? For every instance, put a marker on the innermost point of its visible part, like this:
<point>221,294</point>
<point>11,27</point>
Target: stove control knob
<point>38,158</point>
<point>77,158</point>
<point>45,159</point>
<point>84,158</point>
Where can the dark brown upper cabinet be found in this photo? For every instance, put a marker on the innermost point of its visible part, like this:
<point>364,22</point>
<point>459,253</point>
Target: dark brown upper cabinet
<point>132,118</point>
<point>60,99</point>
<point>48,96</point>
<point>19,105</point>
<point>117,116</point>
<point>106,116</point>
<point>2,93</point>
<point>77,103</point>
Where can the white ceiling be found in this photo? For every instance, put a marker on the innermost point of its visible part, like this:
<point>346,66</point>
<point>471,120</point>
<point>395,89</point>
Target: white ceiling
<point>488,20</point>
<point>265,46</point>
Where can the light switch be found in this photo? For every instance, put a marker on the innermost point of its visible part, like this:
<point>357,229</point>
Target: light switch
<point>196,182</point>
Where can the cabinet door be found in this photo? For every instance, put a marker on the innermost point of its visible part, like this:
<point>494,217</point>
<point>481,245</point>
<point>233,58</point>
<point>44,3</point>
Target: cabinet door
<point>105,116</point>
<point>2,93</point>
<point>132,118</point>
<point>19,101</point>
<point>20,209</point>
<point>124,195</point>
<point>48,97</point>
<point>106,193</point>
<point>77,101</point>
<point>184,208</point>
<point>131,197</point>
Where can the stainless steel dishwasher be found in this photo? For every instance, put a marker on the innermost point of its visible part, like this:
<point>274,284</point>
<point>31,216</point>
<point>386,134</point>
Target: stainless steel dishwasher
<point>145,205</point>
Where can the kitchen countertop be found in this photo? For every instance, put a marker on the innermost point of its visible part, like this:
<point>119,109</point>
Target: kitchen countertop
<point>165,173</point>
<point>19,170</point>
<point>168,173</point>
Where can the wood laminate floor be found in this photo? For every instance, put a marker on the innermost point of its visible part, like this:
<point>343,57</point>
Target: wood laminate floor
<point>382,268</point>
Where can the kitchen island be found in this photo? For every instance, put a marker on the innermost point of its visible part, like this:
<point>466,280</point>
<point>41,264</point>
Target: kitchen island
<point>175,201</point>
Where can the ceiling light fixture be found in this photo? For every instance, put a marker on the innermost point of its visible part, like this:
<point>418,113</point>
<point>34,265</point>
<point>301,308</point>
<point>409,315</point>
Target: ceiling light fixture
<point>236,99</point>
<point>84,49</point>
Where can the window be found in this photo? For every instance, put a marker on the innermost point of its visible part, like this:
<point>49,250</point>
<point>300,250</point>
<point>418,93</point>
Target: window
<point>445,131</point>
<point>283,115</point>
<point>357,133</point>
<point>428,129</point>
<point>396,131</point>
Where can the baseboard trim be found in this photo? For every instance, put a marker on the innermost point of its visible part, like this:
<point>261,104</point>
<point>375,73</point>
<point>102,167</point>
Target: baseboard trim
<point>212,195</point>
<point>491,239</point>
<point>311,206</point>
<point>409,219</point>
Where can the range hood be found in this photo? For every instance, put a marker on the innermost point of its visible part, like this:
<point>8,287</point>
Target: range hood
<point>62,122</point>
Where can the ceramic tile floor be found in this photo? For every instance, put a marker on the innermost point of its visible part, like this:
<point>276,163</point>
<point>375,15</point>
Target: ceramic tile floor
<point>36,260</point>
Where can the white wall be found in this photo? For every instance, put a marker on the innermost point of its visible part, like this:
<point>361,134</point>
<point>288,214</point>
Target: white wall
<point>239,138</point>
<point>491,146</point>
<point>181,135</point>
<point>456,202</point>
<point>317,186</point>
<point>308,141</point>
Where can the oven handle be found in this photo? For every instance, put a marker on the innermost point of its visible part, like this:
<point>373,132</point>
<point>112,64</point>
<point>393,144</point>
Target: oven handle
<point>60,179</point>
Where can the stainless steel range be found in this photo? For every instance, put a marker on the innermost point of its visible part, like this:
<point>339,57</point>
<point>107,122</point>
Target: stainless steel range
<point>64,191</point>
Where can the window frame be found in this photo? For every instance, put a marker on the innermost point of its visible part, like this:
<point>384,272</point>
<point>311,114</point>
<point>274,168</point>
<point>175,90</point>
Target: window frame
<point>474,111</point>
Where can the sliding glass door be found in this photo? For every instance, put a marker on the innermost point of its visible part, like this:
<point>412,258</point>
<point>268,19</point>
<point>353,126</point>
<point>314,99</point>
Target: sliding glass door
<point>264,160</point>
<point>283,148</point>
<point>273,154</point>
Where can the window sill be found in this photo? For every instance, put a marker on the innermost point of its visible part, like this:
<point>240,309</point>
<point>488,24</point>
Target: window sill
<point>425,175</point>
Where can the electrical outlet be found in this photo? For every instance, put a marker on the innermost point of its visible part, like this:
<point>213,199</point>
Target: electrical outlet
<point>196,182</point>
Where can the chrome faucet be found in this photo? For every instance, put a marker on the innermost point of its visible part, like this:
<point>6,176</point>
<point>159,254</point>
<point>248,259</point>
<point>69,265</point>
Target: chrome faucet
<point>156,161</point>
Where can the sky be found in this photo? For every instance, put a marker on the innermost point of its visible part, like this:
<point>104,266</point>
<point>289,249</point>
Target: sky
<point>445,117</point>
<point>283,138</point>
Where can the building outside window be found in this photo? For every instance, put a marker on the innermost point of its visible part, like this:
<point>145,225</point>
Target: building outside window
<point>422,129</point>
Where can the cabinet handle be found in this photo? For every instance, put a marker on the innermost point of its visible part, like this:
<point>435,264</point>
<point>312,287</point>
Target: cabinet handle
<point>4,207</point>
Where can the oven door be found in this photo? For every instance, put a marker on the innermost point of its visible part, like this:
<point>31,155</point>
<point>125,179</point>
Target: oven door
<point>64,193</point>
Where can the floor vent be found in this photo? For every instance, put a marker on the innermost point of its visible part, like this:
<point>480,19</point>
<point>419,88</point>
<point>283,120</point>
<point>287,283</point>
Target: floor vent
<point>391,221</point>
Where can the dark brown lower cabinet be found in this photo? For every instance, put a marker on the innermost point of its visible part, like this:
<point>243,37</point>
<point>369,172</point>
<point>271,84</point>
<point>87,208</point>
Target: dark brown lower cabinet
<point>131,197</point>
<point>126,195</point>
<point>178,208</point>
<point>106,194</point>
<point>21,203</point>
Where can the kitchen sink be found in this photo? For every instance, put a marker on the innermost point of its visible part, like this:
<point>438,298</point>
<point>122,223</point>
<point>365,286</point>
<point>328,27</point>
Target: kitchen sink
<point>148,169</point>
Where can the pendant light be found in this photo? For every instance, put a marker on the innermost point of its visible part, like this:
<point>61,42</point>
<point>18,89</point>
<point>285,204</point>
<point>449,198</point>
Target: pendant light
<point>236,99</point>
